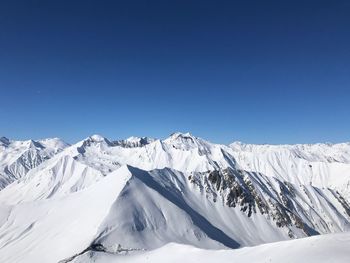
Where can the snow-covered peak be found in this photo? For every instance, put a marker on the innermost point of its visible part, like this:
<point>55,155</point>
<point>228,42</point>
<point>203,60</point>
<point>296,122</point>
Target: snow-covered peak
<point>133,141</point>
<point>182,140</point>
<point>96,142</point>
<point>188,142</point>
<point>181,134</point>
<point>55,143</point>
<point>95,139</point>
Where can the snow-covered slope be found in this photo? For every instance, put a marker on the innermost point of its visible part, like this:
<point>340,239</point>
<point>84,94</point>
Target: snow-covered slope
<point>18,157</point>
<point>148,215</point>
<point>232,208</point>
<point>55,227</point>
<point>320,165</point>
<point>59,176</point>
<point>333,248</point>
<point>146,193</point>
<point>220,209</point>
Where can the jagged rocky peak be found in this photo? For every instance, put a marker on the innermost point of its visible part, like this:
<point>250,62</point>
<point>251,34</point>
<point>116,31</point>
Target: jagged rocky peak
<point>4,141</point>
<point>133,142</point>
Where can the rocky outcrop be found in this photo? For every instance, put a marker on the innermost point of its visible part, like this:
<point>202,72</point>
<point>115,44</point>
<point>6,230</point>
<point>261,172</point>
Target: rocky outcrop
<point>274,199</point>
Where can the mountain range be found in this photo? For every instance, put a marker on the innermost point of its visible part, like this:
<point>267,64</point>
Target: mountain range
<point>99,199</point>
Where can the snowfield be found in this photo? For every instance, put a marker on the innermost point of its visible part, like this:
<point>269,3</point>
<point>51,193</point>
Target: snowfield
<point>182,198</point>
<point>333,248</point>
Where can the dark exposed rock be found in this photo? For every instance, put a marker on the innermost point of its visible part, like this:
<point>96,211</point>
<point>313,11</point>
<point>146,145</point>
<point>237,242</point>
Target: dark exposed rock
<point>342,201</point>
<point>235,189</point>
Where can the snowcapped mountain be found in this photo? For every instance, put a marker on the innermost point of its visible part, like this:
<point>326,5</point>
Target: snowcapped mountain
<point>18,157</point>
<point>132,142</point>
<point>182,152</point>
<point>102,196</point>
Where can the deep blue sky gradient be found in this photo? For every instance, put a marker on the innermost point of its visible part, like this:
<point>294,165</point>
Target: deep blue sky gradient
<point>255,71</point>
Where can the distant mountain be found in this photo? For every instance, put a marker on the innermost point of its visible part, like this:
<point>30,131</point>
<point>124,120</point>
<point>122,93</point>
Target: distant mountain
<point>132,142</point>
<point>18,157</point>
<point>103,196</point>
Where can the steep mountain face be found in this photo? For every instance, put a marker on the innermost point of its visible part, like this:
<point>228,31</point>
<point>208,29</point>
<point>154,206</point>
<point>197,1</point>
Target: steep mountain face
<point>18,157</point>
<point>145,193</point>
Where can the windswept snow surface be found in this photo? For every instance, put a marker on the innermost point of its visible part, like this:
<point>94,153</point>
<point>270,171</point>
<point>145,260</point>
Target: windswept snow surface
<point>61,202</point>
<point>333,248</point>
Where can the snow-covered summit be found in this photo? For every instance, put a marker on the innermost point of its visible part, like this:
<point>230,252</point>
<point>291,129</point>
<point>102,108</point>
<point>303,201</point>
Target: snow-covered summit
<point>184,138</point>
<point>134,141</point>
<point>92,141</point>
<point>96,138</point>
<point>180,134</point>
<point>187,142</point>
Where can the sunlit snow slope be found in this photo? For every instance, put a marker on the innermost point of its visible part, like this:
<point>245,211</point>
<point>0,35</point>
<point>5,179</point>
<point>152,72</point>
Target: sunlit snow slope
<point>333,248</point>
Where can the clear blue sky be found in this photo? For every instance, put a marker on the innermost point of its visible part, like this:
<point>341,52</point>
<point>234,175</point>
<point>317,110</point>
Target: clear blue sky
<point>255,71</point>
